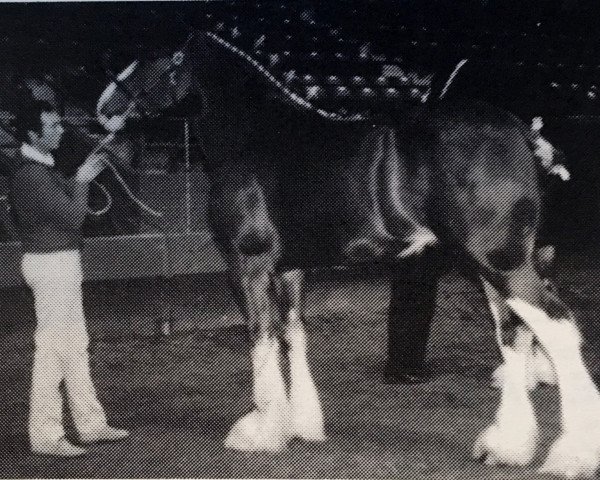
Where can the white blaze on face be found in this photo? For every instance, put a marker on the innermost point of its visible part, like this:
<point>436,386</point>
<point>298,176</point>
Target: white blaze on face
<point>116,122</point>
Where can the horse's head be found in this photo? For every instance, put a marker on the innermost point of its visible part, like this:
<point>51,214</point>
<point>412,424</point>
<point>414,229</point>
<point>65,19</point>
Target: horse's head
<point>145,88</point>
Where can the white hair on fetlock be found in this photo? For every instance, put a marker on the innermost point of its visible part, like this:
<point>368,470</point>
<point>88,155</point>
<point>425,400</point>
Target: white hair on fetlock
<point>576,452</point>
<point>306,412</point>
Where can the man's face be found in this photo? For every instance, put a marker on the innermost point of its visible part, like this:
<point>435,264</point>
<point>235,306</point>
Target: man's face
<point>50,134</point>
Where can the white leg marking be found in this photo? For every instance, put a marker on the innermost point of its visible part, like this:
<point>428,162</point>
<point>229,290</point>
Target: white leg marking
<point>305,406</point>
<point>267,427</point>
<point>512,438</point>
<point>539,370</point>
<point>576,453</point>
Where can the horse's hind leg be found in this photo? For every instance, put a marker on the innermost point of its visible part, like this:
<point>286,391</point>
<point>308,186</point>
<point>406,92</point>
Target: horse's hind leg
<point>503,249</point>
<point>511,439</point>
<point>306,415</point>
<point>267,426</point>
<point>577,451</point>
<point>538,366</point>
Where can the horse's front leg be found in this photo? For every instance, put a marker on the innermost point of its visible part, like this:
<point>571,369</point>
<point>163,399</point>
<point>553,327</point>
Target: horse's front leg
<point>267,426</point>
<point>306,415</point>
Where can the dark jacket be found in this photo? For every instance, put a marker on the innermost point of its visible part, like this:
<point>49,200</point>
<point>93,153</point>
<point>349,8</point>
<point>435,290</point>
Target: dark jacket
<point>48,208</point>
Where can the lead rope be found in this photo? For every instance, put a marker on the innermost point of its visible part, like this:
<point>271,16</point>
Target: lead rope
<point>107,196</point>
<point>120,179</point>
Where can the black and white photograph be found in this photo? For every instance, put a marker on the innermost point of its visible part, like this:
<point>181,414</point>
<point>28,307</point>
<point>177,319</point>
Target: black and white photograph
<point>300,239</point>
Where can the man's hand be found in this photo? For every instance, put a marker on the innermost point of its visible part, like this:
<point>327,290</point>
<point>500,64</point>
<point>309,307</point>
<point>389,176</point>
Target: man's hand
<point>91,168</point>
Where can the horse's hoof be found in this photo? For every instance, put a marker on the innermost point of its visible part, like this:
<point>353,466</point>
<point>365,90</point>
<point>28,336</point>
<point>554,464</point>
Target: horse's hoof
<point>573,456</point>
<point>503,447</point>
<point>307,417</point>
<point>257,432</point>
<point>310,432</point>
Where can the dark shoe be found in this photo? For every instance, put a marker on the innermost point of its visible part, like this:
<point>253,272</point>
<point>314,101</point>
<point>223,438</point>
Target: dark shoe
<point>407,375</point>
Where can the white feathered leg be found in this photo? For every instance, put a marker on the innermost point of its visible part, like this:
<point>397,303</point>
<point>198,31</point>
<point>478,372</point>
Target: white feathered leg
<point>576,453</point>
<point>538,366</point>
<point>512,438</point>
<point>267,427</point>
<point>306,415</point>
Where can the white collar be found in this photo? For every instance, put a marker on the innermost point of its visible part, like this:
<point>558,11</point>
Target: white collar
<point>34,154</point>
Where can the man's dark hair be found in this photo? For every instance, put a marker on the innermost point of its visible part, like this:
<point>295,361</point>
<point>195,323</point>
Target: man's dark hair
<point>28,118</point>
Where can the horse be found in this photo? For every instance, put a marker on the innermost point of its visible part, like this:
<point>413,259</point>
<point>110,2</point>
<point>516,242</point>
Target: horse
<point>295,187</point>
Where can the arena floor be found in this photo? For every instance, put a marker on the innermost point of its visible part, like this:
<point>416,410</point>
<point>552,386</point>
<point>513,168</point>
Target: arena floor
<point>179,396</point>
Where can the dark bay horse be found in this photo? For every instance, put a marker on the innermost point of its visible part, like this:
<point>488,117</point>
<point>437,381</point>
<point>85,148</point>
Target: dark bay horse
<point>294,187</point>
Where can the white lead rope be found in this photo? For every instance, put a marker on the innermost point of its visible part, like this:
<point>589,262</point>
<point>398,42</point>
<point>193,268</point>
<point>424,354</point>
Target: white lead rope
<point>122,182</point>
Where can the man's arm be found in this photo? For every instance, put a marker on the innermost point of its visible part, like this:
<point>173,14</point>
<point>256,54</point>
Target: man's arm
<point>35,191</point>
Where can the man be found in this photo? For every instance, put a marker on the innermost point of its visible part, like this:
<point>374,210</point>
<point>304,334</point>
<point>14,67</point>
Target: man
<point>49,210</point>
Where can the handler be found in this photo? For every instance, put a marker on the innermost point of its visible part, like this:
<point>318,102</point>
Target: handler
<point>49,210</point>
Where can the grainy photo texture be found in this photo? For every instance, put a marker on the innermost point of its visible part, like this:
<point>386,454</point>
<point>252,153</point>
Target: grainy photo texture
<point>309,239</point>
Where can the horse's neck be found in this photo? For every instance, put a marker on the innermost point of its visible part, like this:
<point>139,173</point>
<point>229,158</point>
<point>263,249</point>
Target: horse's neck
<point>234,106</point>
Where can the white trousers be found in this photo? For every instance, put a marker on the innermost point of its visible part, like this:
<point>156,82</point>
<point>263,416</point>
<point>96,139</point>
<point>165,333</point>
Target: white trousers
<point>61,348</point>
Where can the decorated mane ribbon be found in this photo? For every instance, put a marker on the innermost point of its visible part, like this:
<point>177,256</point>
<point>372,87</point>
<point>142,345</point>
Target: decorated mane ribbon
<point>295,98</point>
<point>544,151</point>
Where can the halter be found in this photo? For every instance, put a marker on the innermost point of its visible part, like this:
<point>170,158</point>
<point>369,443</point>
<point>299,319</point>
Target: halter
<point>134,98</point>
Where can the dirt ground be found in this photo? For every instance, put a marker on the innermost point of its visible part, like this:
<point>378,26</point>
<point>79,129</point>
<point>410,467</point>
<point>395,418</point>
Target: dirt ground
<point>179,395</point>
